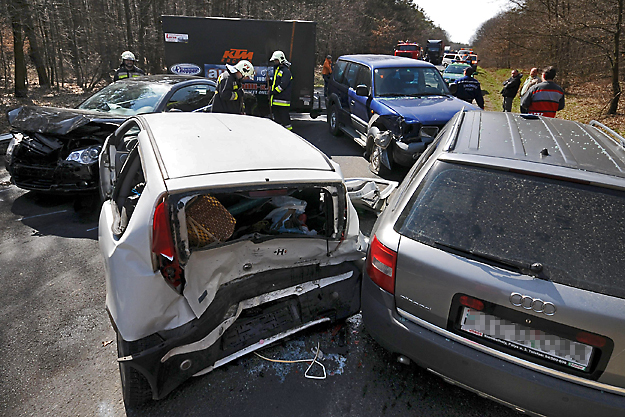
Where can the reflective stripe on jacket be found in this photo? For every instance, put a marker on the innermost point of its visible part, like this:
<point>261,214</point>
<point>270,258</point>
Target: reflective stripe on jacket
<point>281,86</point>
<point>122,73</point>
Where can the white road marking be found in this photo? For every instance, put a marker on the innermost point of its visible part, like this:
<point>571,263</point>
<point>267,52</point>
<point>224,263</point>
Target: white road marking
<point>40,215</point>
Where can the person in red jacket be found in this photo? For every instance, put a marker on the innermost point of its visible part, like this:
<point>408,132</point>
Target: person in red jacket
<point>545,98</point>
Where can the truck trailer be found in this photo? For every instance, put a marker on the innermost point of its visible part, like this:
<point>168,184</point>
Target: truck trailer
<point>204,45</point>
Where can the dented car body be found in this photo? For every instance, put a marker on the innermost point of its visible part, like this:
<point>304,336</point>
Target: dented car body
<point>56,150</point>
<point>210,254</point>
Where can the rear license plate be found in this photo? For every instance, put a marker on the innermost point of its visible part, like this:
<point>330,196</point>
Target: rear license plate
<point>525,339</point>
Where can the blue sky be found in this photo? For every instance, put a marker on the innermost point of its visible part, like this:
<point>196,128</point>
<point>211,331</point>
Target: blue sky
<point>460,19</point>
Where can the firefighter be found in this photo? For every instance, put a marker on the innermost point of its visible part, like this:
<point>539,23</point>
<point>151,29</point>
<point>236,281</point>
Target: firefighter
<point>280,93</point>
<point>229,95</point>
<point>127,68</point>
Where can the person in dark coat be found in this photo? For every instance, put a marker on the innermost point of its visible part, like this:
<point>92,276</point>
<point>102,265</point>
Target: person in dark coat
<point>280,93</point>
<point>127,68</point>
<point>469,89</point>
<point>228,97</point>
<point>510,88</point>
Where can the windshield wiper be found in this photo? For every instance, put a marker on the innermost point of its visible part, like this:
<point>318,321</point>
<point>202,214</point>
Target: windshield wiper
<point>533,269</point>
<point>392,95</point>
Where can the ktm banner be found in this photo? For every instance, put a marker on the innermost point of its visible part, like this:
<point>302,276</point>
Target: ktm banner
<point>235,55</point>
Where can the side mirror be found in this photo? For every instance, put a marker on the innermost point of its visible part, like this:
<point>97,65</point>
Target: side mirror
<point>362,90</point>
<point>453,89</point>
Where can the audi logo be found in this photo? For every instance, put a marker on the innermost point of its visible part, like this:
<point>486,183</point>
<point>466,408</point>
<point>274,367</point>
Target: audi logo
<point>534,304</point>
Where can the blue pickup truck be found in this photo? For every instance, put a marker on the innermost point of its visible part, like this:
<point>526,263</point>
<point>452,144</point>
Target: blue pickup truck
<point>392,106</point>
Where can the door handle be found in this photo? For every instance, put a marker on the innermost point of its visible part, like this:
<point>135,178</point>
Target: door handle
<point>353,102</point>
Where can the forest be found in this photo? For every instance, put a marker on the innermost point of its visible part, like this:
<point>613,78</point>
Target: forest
<point>582,38</point>
<point>80,41</point>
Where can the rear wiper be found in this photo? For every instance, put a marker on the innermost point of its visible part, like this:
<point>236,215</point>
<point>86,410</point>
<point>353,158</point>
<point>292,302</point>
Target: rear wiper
<point>532,269</point>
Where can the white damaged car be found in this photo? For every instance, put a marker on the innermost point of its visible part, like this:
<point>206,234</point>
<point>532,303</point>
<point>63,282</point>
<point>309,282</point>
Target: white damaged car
<point>220,233</point>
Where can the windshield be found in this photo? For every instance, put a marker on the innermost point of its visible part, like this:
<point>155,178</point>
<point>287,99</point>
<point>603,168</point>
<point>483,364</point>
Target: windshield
<point>409,81</point>
<point>126,98</point>
<point>455,69</point>
<point>573,231</point>
<point>407,47</point>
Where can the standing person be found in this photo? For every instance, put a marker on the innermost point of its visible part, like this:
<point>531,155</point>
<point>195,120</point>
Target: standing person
<point>127,68</point>
<point>469,88</point>
<point>228,97</point>
<point>510,88</point>
<point>546,97</point>
<point>326,72</point>
<point>533,79</point>
<point>280,93</point>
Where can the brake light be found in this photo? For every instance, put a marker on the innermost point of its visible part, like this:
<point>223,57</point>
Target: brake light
<point>162,243</point>
<point>163,247</point>
<point>381,265</point>
<point>591,339</point>
<point>471,302</point>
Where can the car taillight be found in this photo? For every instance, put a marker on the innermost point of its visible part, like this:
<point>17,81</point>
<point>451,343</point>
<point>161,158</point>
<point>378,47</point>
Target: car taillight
<point>381,265</point>
<point>163,247</point>
<point>471,302</point>
<point>591,339</point>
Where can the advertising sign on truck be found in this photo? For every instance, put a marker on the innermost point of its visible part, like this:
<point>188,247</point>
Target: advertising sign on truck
<point>204,45</point>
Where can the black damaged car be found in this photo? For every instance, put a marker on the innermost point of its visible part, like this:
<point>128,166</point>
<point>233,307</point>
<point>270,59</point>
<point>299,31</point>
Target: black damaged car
<point>56,150</point>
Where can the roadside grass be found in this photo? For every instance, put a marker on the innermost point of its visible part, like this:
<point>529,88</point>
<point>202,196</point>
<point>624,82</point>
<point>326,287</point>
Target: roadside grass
<point>585,100</point>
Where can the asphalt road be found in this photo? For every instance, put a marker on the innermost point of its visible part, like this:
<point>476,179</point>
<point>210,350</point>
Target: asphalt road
<point>58,355</point>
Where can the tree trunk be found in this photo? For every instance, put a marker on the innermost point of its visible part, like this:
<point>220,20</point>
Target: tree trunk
<point>616,85</point>
<point>35,52</point>
<point>21,90</point>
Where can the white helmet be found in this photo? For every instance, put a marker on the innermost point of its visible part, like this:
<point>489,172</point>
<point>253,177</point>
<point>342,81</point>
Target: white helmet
<point>128,55</point>
<point>279,56</point>
<point>245,68</point>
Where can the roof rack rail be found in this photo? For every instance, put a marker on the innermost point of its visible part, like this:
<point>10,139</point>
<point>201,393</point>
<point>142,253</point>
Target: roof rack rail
<point>453,136</point>
<point>612,134</point>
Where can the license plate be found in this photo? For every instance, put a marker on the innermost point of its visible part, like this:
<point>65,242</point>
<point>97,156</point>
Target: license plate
<point>525,339</point>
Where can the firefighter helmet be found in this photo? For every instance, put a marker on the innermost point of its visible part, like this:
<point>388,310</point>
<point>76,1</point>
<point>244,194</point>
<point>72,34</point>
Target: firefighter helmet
<point>128,55</point>
<point>245,68</point>
<point>279,56</point>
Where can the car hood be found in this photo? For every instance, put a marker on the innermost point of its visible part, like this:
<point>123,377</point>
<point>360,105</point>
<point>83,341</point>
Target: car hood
<point>56,121</point>
<point>429,110</point>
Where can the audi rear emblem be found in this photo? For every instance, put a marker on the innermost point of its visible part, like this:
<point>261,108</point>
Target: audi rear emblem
<point>534,304</point>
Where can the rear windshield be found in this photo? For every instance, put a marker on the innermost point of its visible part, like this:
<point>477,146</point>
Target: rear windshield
<point>573,231</point>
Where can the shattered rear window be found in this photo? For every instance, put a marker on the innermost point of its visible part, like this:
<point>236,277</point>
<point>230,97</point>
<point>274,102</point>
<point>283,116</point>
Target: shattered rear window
<point>574,230</point>
<point>215,218</point>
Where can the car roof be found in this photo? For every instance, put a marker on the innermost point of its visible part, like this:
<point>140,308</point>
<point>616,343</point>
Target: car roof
<point>190,144</point>
<point>170,79</point>
<point>537,139</point>
<point>385,61</point>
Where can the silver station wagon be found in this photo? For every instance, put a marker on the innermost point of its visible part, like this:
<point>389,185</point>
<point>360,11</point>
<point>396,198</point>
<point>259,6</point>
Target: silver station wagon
<point>498,264</point>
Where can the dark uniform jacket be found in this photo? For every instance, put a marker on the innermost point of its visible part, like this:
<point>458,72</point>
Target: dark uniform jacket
<point>122,72</point>
<point>511,86</point>
<point>281,86</point>
<point>544,99</point>
<point>469,89</point>
<point>229,95</point>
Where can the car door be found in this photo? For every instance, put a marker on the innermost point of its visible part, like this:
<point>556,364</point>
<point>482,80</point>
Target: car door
<point>360,105</point>
<point>339,87</point>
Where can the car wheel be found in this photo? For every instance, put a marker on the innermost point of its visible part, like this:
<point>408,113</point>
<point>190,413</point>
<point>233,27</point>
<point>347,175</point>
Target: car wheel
<point>333,121</point>
<point>135,388</point>
<point>375,162</point>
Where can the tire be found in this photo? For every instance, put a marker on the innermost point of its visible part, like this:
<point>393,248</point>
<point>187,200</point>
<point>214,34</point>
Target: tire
<point>135,388</point>
<point>333,121</point>
<point>375,162</point>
